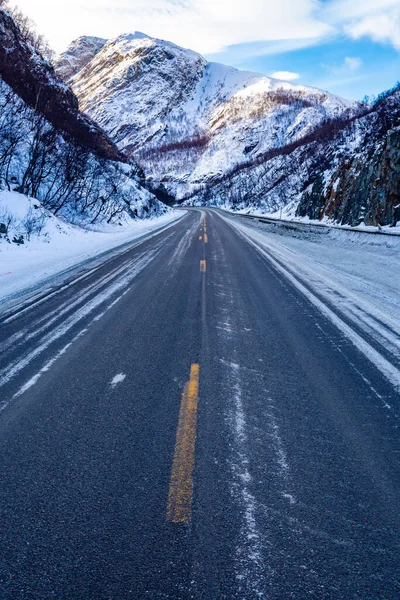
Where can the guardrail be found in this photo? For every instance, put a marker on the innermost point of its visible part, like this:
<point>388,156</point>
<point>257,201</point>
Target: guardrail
<point>301,225</point>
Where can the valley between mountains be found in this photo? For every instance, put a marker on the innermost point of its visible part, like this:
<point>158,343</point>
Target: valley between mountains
<point>199,328</point>
<point>206,133</point>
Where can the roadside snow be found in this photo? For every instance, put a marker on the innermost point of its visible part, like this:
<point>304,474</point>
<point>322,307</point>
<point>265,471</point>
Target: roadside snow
<point>359,264</point>
<point>59,246</point>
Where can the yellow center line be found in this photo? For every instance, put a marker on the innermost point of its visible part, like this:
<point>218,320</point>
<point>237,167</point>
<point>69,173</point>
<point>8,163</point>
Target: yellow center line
<point>203,266</point>
<point>179,509</point>
<point>205,238</point>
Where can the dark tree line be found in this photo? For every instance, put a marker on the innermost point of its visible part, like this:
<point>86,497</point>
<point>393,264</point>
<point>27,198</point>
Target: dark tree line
<point>196,142</point>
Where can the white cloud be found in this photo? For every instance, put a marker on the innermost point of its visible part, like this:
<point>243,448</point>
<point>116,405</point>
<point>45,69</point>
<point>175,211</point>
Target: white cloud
<point>383,28</point>
<point>207,26</point>
<point>341,11</point>
<point>210,26</point>
<point>350,65</point>
<point>377,19</point>
<point>285,75</point>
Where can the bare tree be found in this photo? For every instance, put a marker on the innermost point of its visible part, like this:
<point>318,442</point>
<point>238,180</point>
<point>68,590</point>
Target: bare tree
<point>28,30</point>
<point>7,222</point>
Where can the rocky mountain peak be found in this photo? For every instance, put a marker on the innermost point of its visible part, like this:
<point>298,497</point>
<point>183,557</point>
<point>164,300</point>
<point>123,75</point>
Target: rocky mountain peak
<point>78,54</point>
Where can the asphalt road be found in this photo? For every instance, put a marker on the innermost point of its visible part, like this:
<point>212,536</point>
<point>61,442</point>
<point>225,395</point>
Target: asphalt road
<point>183,422</point>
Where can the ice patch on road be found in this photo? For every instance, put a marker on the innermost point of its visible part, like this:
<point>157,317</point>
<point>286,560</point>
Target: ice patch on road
<point>33,380</point>
<point>289,497</point>
<point>250,567</point>
<point>183,246</point>
<point>274,432</point>
<point>251,570</point>
<point>117,379</point>
<point>35,328</point>
<point>125,276</point>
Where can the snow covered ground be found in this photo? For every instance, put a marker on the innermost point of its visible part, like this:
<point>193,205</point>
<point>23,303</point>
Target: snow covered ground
<point>58,246</point>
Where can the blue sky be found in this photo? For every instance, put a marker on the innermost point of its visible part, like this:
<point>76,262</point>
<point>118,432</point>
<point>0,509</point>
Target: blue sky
<point>349,47</point>
<point>348,68</point>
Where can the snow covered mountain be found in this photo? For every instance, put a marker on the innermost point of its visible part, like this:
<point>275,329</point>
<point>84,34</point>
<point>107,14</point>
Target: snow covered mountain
<point>206,133</point>
<point>53,153</point>
<point>80,52</point>
<point>185,120</point>
<point>346,170</point>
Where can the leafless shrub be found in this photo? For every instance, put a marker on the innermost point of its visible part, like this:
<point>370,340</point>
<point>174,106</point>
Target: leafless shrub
<point>33,224</point>
<point>196,142</point>
<point>7,222</point>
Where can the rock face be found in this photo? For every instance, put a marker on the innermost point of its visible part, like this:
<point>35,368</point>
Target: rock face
<point>35,81</point>
<point>346,170</point>
<point>368,186</point>
<point>361,181</point>
<point>134,85</point>
<point>187,120</point>
<point>77,56</point>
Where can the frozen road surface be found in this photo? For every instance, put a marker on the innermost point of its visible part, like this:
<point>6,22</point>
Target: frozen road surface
<point>207,415</point>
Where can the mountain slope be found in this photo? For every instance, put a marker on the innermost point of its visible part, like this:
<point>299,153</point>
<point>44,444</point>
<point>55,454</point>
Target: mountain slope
<point>186,120</point>
<point>133,84</point>
<point>34,80</point>
<point>210,134</point>
<point>346,170</point>
<point>52,152</point>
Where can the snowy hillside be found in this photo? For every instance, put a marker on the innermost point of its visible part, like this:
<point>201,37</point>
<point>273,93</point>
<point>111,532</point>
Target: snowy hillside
<point>347,171</point>
<point>134,84</point>
<point>208,134</point>
<point>53,153</point>
<point>38,161</point>
<point>186,120</point>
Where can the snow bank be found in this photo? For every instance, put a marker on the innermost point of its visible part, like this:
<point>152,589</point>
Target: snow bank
<point>56,246</point>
